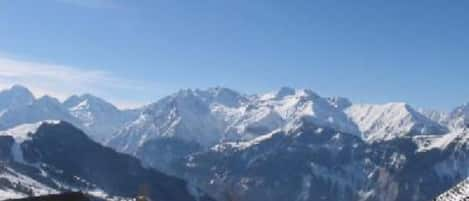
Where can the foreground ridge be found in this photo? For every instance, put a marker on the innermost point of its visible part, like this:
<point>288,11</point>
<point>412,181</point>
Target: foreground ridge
<point>458,193</point>
<point>58,197</point>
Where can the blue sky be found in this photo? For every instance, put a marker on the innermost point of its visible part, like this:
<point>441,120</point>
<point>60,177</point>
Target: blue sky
<point>136,51</point>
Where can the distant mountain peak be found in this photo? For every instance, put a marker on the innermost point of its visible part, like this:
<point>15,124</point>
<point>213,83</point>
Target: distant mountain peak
<point>460,116</point>
<point>91,100</point>
<point>18,87</point>
<point>285,91</point>
<point>219,89</point>
<point>217,95</point>
<point>339,102</point>
<point>16,96</point>
<point>210,116</point>
<point>391,120</point>
<point>461,110</point>
<point>98,117</point>
<point>48,99</point>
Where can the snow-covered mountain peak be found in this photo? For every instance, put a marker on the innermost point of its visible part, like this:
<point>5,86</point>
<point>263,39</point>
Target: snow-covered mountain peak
<point>211,116</point>
<point>16,96</point>
<point>19,89</point>
<point>227,97</point>
<point>285,109</point>
<point>441,117</point>
<point>287,92</point>
<point>98,117</point>
<point>460,116</point>
<point>339,102</point>
<point>44,108</point>
<point>47,100</point>
<point>188,114</point>
<point>88,102</point>
<point>217,95</point>
<point>387,121</point>
<point>73,101</point>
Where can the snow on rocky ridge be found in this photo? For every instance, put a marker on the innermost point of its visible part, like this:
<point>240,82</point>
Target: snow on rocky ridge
<point>20,180</point>
<point>211,116</point>
<point>97,117</point>
<point>388,121</point>
<point>458,193</point>
<point>218,115</point>
<point>23,132</point>
<point>215,115</point>
<point>460,116</point>
<point>221,118</point>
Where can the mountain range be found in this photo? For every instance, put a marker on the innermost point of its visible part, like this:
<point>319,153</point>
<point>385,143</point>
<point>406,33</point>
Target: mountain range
<point>289,144</point>
<point>98,118</point>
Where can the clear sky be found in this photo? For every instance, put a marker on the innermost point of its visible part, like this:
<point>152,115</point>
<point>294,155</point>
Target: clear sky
<point>136,51</point>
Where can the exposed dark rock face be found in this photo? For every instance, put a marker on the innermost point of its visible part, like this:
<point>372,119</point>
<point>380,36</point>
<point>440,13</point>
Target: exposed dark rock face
<point>167,150</point>
<point>59,197</point>
<point>315,163</point>
<point>6,142</point>
<point>64,154</point>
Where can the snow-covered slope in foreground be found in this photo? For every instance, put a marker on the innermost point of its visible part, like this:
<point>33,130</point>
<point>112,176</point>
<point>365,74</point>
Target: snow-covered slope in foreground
<point>458,193</point>
<point>17,185</point>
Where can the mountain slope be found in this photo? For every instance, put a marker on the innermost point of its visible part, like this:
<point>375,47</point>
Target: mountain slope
<point>99,118</point>
<point>185,115</point>
<point>388,121</point>
<point>199,119</point>
<point>460,116</point>
<point>14,97</point>
<point>58,156</point>
<point>316,162</point>
<point>44,108</point>
<point>192,121</point>
<point>290,144</point>
<point>457,193</point>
